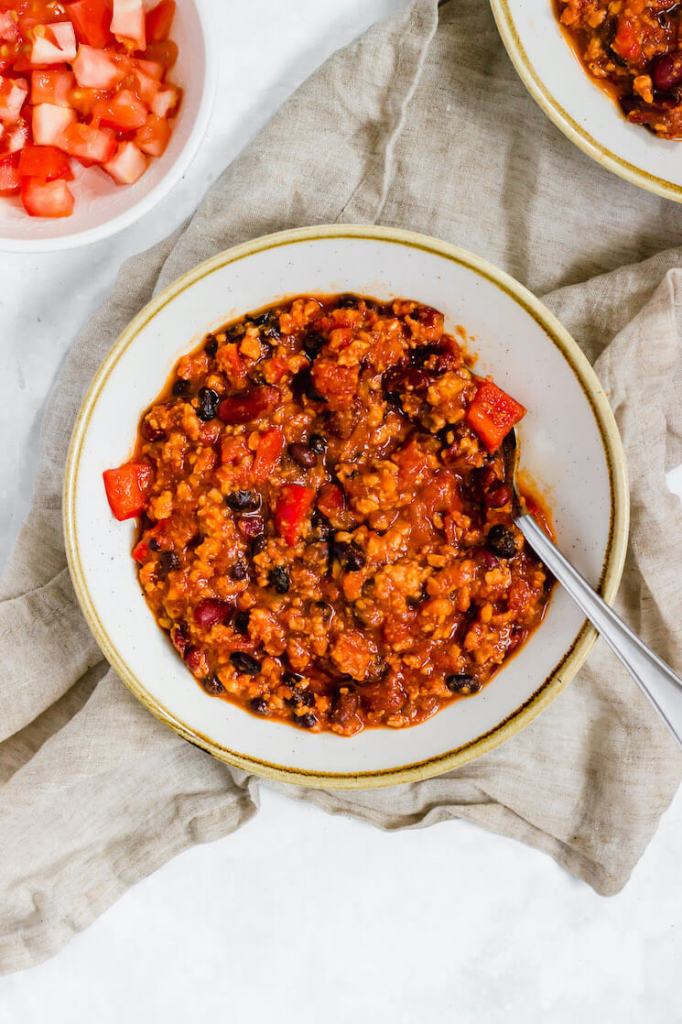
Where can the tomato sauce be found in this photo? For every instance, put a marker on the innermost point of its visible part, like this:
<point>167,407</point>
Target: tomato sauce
<point>326,529</point>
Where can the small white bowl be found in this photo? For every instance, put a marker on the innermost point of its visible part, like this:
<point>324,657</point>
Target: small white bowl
<point>557,81</point>
<point>570,445</point>
<point>102,207</point>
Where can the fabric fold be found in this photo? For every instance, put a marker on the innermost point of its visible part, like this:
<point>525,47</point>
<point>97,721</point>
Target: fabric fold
<point>422,123</point>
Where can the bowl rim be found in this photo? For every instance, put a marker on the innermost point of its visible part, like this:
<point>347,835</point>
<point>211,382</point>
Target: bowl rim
<point>583,139</point>
<point>164,186</point>
<point>614,558</point>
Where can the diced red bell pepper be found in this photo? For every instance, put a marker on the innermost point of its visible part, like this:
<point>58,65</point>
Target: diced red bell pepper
<point>268,453</point>
<point>293,504</point>
<point>46,162</point>
<point>159,21</point>
<point>10,179</point>
<point>493,413</point>
<point>127,488</point>
<point>141,551</point>
<point>249,404</point>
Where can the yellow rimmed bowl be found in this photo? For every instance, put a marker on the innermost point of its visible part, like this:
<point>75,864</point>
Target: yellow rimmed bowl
<point>570,446</point>
<point>585,113</point>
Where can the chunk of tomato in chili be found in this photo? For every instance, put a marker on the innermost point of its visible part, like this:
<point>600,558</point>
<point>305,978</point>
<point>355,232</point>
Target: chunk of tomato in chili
<point>126,488</point>
<point>293,505</point>
<point>268,453</point>
<point>493,413</point>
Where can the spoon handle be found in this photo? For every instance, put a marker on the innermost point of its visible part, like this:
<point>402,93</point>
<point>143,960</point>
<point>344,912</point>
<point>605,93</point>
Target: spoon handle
<point>661,685</point>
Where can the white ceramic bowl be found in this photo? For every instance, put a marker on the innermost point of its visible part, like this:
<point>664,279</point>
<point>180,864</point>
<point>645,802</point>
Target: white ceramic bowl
<point>102,207</point>
<point>578,106</point>
<point>569,443</point>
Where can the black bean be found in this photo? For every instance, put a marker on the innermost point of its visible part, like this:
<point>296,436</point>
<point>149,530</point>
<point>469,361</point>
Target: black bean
<point>347,302</point>
<point>257,545</point>
<point>302,455</point>
<point>317,443</point>
<point>261,319</point>
<point>212,685</point>
<point>195,541</point>
<point>355,559</point>
<point>308,721</point>
<point>208,404</point>
<point>313,343</point>
<point>278,577</point>
<point>182,387</point>
<point>166,562</point>
<point>241,622</point>
<point>238,571</point>
<point>245,663</point>
<point>211,347</point>
<point>462,683</point>
<point>291,678</point>
<point>302,385</point>
<point>501,541</point>
<point>243,501</point>
<point>259,705</point>
<point>154,544</point>
<point>300,698</point>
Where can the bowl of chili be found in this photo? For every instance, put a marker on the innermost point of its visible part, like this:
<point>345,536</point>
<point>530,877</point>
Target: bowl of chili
<point>301,554</point>
<point>609,76</point>
<point>103,105</point>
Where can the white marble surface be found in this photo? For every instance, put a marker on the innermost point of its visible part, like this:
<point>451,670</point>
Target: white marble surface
<point>302,917</point>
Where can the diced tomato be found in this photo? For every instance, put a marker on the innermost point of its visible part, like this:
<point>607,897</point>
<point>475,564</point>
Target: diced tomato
<point>165,101</point>
<point>153,136</point>
<point>95,69</point>
<point>492,414</point>
<point>293,505</point>
<point>49,123</point>
<point>95,145</point>
<point>9,29</point>
<point>46,162</point>
<point>53,44</point>
<point>146,87</point>
<point>52,86</point>
<point>46,198</point>
<point>126,488</point>
<point>91,20</point>
<point>165,53</point>
<point>128,22</point>
<point>123,111</point>
<point>159,21</point>
<point>330,500</point>
<point>232,364</point>
<point>16,137</point>
<point>268,453</point>
<point>127,165</point>
<point>626,42</point>
<point>83,100</point>
<point>150,67</point>
<point>13,93</point>
<point>141,551</point>
<point>10,179</point>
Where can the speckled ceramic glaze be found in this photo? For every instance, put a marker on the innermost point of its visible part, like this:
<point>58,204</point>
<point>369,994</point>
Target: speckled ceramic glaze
<point>570,447</point>
<point>578,106</point>
<point>102,207</point>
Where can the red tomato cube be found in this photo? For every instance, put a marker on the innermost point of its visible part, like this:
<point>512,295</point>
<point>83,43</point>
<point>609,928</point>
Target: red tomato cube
<point>128,22</point>
<point>16,137</point>
<point>128,164</point>
<point>54,43</point>
<point>52,86</point>
<point>159,21</point>
<point>153,136</point>
<point>46,198</point>
<point>91,20</point>
<point>126,488</point>
<point>46,162</point>
<point>49,124</point>
<point>13,93</point>
<point>95,69</point>
<point>94,145</point>
<point>123,110</point>
<point>293,505</point>
<point>493,413</point>
<point>268,453</point>
<point>165,101</point>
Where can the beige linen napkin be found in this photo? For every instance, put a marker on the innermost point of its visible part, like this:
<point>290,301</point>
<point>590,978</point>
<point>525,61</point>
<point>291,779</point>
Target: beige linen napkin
<point>425,125</point>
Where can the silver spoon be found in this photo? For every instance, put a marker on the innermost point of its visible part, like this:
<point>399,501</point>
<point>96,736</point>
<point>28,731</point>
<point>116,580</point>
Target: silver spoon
<point>660,684</point>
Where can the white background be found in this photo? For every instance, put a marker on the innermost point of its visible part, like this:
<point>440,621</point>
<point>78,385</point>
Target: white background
<point>301,917</point>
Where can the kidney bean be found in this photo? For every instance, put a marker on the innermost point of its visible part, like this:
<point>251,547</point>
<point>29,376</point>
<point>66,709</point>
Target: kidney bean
<point>666,71</point>
<point>405,378</point>
<point>249,404</point>
<point>498,496</point>
<point>210,611</point>
<point>179,638</point>
<point>302,455</point>
<point>251,526</point>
